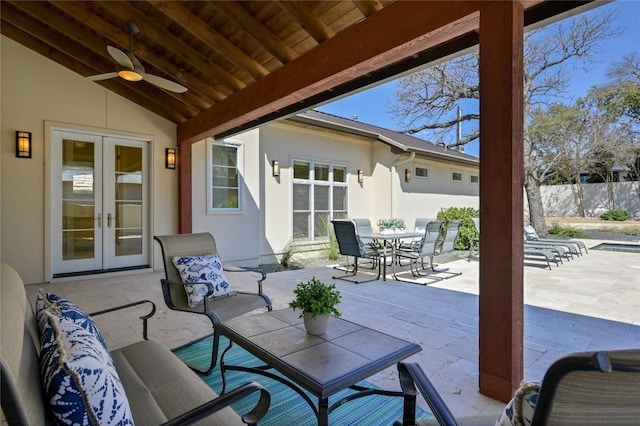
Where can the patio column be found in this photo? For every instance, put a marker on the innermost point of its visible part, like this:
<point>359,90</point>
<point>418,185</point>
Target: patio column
<point>501,204</point>
<point>185,216</point>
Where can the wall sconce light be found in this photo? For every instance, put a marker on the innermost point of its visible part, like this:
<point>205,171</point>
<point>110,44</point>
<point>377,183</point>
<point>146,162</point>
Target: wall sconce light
<point>276,168</point>
<point>360,176</point>
<point>23,144</point>
<point>407,175</point>
<point>170,158</point>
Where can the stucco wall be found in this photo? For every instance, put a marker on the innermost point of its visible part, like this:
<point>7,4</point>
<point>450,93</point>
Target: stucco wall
<point>237,233</point>
<point>559,200</point>
<point>34,90</point>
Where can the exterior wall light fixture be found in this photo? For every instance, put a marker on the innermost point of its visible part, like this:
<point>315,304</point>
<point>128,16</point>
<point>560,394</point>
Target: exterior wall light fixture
<point>23,144</point>
<point>360,176</point>
<point>407,175</point>
<point>276,168</point>
<point>170,159</point>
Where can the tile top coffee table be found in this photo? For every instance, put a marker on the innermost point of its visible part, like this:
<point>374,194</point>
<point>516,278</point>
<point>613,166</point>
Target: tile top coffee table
<point>323,365</point>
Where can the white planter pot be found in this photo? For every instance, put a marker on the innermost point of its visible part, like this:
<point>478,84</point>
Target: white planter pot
<point>316,326</point>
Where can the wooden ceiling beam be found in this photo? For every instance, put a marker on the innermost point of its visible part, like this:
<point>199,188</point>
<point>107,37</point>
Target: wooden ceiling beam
<point>91,50</point>
<point>150,29</point>
<point>209,36</point>
<point>307,20</point>
<point>368,7</point>
<point>410,28</point>
<point>260,33</point>
<point>207,92</point>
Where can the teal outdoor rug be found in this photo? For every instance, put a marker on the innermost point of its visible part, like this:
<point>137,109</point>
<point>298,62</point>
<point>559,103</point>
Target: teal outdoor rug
<point>287,407</point>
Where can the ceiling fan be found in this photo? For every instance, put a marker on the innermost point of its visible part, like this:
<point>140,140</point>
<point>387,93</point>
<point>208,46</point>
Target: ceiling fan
<point>129,67</point>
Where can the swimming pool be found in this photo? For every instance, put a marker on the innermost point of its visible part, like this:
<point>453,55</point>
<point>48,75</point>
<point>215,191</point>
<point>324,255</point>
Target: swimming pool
<point>627,248</point>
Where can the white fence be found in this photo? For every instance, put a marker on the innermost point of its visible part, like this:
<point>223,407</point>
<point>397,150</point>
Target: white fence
<point>559,200</point>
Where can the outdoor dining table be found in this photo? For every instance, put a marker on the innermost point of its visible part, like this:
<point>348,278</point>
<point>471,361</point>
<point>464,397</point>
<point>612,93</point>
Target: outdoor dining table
<point>390,241</point>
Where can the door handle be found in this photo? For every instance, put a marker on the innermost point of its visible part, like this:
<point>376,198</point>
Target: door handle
<point>99,219</point>
<point>108,220</point>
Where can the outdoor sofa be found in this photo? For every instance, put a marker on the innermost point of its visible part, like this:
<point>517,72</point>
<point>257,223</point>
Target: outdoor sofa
<point>158,388</point>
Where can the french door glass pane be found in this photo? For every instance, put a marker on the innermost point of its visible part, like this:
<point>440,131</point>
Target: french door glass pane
<point>320,223</point>
<point>339,174</point>
<point>301,170</point>
<point>321,198</point>
<point>78,199</point>
<point>128,200</point>
<point>301,197</point>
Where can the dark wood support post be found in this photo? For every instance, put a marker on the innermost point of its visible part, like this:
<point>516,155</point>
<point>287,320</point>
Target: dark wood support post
<point>184,188</point>
<point>501,208</point>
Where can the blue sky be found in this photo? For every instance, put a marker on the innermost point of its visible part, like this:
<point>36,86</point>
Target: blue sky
<point>371,105</point>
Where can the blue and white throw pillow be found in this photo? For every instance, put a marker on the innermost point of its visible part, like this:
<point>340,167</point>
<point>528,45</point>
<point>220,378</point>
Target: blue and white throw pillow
<point>195,270</point>
<point>519,411</point>
<point>79,377</point>
<point>67,310</point>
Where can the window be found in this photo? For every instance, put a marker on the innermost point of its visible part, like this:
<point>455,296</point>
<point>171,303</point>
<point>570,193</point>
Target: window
<point>319,195</point>
<point>422,172</point>
<point>223,177</point>
<point>456,176</point>
<point>474,179</point>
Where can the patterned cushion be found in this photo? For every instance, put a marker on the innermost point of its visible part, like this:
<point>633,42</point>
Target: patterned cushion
<point>519,411</point>
<point>201,269</point>
<point>79,378</point>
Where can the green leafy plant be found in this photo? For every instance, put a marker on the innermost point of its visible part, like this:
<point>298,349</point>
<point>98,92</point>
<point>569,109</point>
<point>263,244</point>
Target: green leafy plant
<point>467,228</point>
<point>620,215</point>
<point>566,231</point>
<point>286,258</point>
<point>317,298</point>
<point>395,223</point>
<point>333,251</point>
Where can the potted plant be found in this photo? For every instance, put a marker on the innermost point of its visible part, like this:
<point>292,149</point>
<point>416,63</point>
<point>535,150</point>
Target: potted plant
<point>316,301</point>
<point>391,226</point>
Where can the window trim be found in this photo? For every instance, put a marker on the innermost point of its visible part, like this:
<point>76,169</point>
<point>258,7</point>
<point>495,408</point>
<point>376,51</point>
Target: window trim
<point>471,176</point>
<point>461,176</point>
<point>239,145</point>
<point>415,172</point>
<point>312,182</point>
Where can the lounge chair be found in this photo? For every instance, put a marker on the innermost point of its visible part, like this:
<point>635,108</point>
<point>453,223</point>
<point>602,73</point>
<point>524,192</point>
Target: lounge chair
<point>561,250</point>
<point>217,310</point>
<point>577,246</point>
<point>580,389</point>
<point>547,254</point>
<point>350,244</point>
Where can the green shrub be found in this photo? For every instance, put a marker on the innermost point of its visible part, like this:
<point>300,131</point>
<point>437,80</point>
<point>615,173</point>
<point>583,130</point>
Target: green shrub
<point>566,231</point>
<point>332,251</point>
<point>467,228</point>
<point>286,258</point>
<point>620,215</point>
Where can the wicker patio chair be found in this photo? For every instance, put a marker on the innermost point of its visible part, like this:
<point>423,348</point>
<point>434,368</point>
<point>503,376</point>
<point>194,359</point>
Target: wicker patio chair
<point>218,309</point>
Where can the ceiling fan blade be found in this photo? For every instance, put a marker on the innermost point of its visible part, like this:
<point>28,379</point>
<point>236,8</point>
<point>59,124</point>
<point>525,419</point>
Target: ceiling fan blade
<point>120,57</point>
<point>105,76</point>
<point>163,83</point>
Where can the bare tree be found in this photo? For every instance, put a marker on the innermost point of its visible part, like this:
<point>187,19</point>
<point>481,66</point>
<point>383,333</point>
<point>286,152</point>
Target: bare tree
<point>429,99</point>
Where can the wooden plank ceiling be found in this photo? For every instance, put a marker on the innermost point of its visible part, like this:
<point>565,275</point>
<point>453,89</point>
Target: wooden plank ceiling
<point>227,50</point>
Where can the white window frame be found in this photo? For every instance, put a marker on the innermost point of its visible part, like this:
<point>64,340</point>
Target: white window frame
<point>209,175</point>
<point>471,176</point>
<point>457,180</point>
<point>313,183</point>
<point>415,172</point>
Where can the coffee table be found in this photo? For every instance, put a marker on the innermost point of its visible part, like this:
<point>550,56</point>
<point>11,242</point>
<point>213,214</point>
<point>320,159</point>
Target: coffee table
<point>347,354</point>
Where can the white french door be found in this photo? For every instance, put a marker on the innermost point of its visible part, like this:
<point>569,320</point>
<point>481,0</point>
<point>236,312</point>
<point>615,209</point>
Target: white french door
<point>99,198</point>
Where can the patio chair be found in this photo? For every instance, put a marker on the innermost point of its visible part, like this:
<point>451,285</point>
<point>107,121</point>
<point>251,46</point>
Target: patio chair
<point>351,245</point>
<point>419,225</point>
<point>547,254</point>
<point>580,389</point>
<point>363,227</point>
<point>217,310</point>
<point>428,247</point>
<point>576,245</point>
